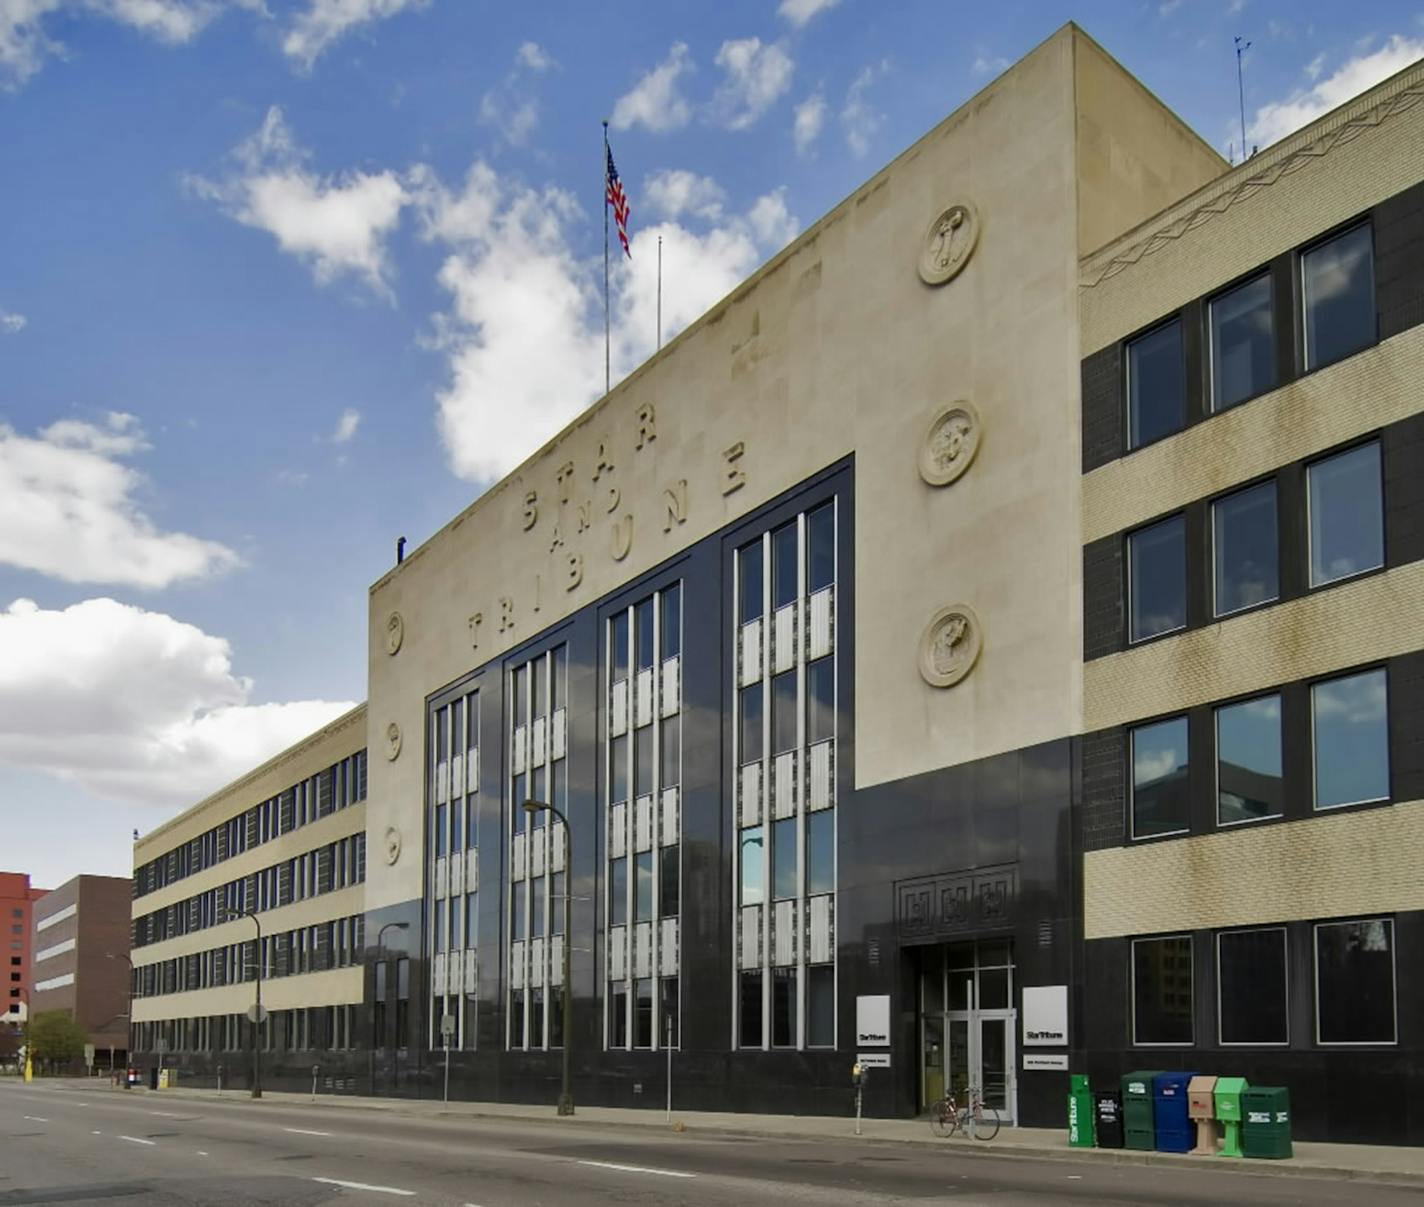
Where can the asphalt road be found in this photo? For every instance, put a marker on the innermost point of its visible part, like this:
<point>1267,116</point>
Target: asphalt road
<point>76,1144</point>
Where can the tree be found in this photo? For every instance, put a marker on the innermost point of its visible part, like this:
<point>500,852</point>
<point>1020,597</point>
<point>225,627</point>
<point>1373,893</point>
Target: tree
<point>55,1037</point>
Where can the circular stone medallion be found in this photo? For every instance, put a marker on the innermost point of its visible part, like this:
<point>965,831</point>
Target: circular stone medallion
<point>395,632</point>
<point>950,645</point>
<point>393,844</point>
<point>393,741</point>
<point>948,243</point>
<point>950,443</point>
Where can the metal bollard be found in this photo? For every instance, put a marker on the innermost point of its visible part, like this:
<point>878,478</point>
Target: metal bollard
<point>316,1070</point>
<point>220,1073</point>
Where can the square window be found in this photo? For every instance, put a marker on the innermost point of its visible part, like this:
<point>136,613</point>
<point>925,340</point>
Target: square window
<point>820,699</point>
<point>1159,778</point>
<point>820,852</point>
<point>1162,990</point>
<point>618,1015</point>
<point>670,634</point>
<point>643,1013</point>
<point>750,581</point>
<point>820,548</point>
<point>1245,560</point>
<point>750,1013</point>
<point>1354,982</point>
<point>1252,987</point>
<point>668,882</point>
<point>1248,761</point>
<point>783,712</point>
<point>783,852</point>
<point>751,724</point>
<point>1346,506</point>
<point>1157,579</point>
<point>1350,736</point>
<point>617,892</point>
<point>1338,288</point>
<point>1243,346</point>
<point>1156,385</point>
<point>643,886</point>
<point>783,1008</point>
<point>783,566</point>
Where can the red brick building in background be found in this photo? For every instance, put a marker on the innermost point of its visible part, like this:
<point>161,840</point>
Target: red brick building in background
<point>17,901</point>
<point>81,935</point>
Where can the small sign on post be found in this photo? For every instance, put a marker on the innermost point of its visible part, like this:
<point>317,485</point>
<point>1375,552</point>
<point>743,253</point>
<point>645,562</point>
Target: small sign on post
<point>89,1056</point>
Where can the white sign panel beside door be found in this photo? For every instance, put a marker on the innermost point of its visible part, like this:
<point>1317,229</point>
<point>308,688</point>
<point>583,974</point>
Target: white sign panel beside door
<point>1045,1016</point>
<point>872,1021</point>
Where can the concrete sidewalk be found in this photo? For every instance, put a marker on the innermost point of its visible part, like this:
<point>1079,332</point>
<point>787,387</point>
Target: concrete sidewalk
<point>1365,1162</point>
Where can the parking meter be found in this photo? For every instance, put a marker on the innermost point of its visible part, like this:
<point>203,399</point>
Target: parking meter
<point>858,1076</point>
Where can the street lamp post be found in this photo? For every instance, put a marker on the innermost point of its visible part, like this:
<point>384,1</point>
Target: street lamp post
<point>128,1021</point>
<point>566,1094</point>
<point>257,1016</point>
<point>380,955</point>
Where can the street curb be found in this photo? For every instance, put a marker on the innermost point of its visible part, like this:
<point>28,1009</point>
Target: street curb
<point>987,1150</point>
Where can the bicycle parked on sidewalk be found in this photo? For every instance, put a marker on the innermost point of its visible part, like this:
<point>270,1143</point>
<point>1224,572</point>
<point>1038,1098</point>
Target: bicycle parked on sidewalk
<point>976,1116</point>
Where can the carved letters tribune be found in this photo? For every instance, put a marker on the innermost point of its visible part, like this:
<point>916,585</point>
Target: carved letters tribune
<point>587,499</point>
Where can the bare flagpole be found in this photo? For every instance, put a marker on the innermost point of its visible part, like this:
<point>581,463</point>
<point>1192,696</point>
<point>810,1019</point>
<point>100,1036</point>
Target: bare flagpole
<point>607,330</point>
<point>660,293</point>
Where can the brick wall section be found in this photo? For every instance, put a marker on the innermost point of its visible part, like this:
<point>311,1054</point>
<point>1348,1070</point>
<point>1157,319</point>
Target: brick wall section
<point>1103,414</point>
<point>1399,261</point>
<point>1103,618</point>
<point>1104,789</point>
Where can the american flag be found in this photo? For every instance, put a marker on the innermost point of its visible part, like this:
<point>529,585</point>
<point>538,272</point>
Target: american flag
<point>618,199</point>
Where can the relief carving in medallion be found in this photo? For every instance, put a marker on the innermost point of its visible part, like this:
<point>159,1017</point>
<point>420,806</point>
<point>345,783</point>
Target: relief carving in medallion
<point>950,443</point>
<point>393,741</point>
<point>948,243</point>
<point>393,844</point>
<point>395,632</point>
<point>950,645</point>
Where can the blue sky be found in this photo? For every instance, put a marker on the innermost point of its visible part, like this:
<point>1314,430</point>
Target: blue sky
<point>282,281</point>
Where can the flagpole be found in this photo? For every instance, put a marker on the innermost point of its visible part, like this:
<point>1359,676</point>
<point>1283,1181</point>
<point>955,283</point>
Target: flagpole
<point>607,330</point>
<point>660,293</point>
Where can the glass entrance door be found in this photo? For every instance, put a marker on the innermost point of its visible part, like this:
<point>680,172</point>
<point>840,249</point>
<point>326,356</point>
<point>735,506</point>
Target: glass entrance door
<point>982,1053</point>
<point>969,1027</point>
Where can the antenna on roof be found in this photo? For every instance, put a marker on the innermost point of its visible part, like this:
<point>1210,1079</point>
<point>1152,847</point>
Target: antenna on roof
<point>1241,49</point>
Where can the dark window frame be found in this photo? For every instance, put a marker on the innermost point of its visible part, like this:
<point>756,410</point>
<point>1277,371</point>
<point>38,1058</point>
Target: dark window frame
<point>1131,839</point>
<point>1179,319</point>
<point>1210,406</point>
<point>1284,930</point>
<point>1303,367</point>
<point>1315,927</point>
<point>1134,1042</point>
<point>1377,802</point>
<point>1377,438</point>
<point>1129,641</point>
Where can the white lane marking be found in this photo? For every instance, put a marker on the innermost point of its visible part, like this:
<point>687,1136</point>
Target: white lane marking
<point>98,1133</point>
<point>1075,1177</point>
<point>35,1119</point>
<point>304,1131</point>
<point>201,1153</point>
<point>136,1140</point>
<point>169,1114</point>
<point>409,1194</point>
<point>667,1173</point>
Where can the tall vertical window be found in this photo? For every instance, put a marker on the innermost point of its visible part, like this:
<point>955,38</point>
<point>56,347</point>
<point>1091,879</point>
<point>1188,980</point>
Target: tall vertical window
<point>1248,760</point>
<point>453,850</point>
<point>1350,735</point>
<point>1156,385</point>
<point>1243,346</point>
<point>1160,803</point>
<point>1162,990</point>
<point>537,736</point>
<point>1338,293</point>
<point>1157,579</point>
<point>1346,505</point>
<point>641,798</point>
<point>1252,990</point>
<point>1354,982</point>
<point>784,675</point>
<point>1244,555</point>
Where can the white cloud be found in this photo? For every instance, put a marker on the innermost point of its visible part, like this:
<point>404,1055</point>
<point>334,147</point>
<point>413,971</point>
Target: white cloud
<point>859,119</point>
<point>174,21</point>
<point>12,323</point>
<point>346,426</point>
<point>755,77</point>
<point>810,117</point>
<point>674,192</point>
<point>23,42</point>
<point>1167,7</point>
<point>337,224</point>
<point>656,101</point>
<point>517,289</point>
<point>510,106</point>
<point>798,12</point>
<point>985,64</point>
<point>534,57</point>
<point>134,705</point>
<point>1277,119</point>
<point>70,511</point>
<point>326,21</point>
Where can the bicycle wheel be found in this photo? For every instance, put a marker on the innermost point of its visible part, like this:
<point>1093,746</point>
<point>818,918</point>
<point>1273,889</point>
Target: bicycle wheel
<point>986,1122</point>
<point>943,1118</point>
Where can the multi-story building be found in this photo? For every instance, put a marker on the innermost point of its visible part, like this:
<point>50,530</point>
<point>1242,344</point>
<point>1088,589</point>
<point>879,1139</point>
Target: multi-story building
<point>265,875</point>
<point>1253,603</point>
<point>81,960</point>
<point>17,902</point>
<point>986,644</point>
